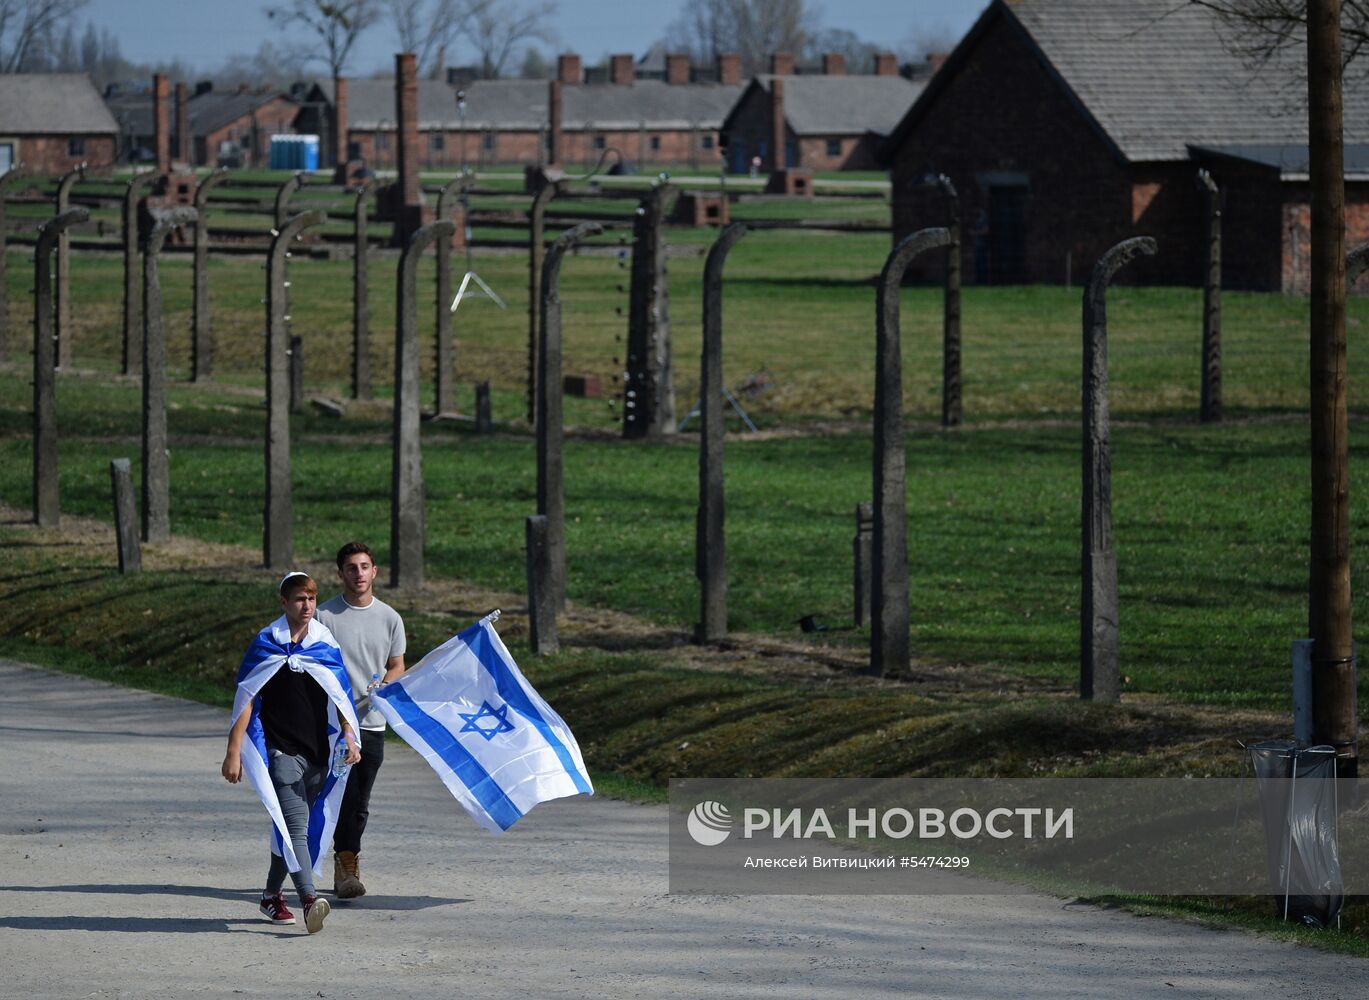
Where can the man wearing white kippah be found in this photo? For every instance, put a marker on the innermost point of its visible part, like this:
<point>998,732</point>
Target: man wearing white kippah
<point>371,636</point>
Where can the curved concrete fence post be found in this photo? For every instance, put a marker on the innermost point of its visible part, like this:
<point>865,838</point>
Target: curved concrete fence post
<point>550,432</point>
<point>46,507</point>
<point>361,319</point>
<point>1099,674</point>
<point>889,651</point>
<point>444,362</point>
<point>278,547</point>
<point>283,193</point>
<point>1356,263</point>
<point>406,470</point>
<point>202,334</point>
<point>710,546</point>
<point>1210,392</point>
<point>137,189</point>
<point>537,252</point>
<point>156,499</point>
<point>63,330</point>
<point>7,180</point>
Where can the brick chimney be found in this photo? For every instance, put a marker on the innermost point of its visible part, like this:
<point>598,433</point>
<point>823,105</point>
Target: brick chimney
<point>161,125</point>
<point>554,153</point>
<point>621,70</point>
<point>776,125</point>
<point>676,69</point>
<point>340,122</point>
<point>730,68</point>
<point>886,64</point>
<point>410,212</point>
<point>833,64</point>
<point>182,124</point>
<point>568,69</point>
<point>782,63</point>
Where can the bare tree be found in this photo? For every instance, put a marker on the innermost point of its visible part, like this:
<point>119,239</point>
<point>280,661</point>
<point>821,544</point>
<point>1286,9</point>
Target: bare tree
<point>336,23</point>
<point>1264,29</point>
<point>753,28</point>
<point>27,24</point>
<point>496,29</point>
<point>429,29</point>
<point>859,54</point>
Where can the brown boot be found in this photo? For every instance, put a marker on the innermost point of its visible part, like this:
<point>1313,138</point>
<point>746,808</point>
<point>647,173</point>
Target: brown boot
<point>347,875</point>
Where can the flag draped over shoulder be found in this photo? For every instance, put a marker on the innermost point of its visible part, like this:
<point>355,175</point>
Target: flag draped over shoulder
<point>318,655</point>
<point>496,745</point>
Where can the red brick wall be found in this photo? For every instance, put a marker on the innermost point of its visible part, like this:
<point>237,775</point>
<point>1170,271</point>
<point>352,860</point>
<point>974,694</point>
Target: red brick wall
<point>858,152</point>
<point>520,147</point>
<point>50,154</point>
<point>1295,244</point>
<point>276,117</point>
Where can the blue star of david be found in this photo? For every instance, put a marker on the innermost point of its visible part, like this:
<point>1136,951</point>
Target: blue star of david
<point>500,716</point>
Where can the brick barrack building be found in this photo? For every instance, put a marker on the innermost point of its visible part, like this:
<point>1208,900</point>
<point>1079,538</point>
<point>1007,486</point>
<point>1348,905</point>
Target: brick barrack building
<point>1067,125</point>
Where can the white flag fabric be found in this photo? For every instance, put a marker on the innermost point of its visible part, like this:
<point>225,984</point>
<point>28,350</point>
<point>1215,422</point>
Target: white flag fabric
<point>496,744</point>
<point>317,654</point>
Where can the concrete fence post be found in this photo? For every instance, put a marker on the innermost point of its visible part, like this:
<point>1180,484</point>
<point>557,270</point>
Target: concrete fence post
<point>64,331</point>
<point>361,320</point>
<point>47,511</point>
<point>406,470</point>
<point>156,499</point>
<point>1210,404</point>
<point>202,334</point>
<point>125,516</point>
<point>133,271</point>
<point>278,546</point>
<point>710,545</point>
<point>889,650</point>
<point>550,432</point>
<point>7,180</point>
<point>1099,672</point>
<point>444,363</point>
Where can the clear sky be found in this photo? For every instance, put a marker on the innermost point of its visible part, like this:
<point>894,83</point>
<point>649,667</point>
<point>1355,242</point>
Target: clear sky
<point>204,32</point>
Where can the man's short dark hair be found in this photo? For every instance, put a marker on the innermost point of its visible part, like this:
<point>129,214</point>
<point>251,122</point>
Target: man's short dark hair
<point>352,549</point>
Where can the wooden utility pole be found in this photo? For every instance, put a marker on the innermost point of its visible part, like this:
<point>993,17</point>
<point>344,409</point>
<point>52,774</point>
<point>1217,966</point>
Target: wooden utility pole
<point>1329,621</point>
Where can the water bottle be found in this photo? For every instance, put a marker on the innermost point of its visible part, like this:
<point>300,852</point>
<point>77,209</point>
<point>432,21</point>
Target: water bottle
<point>340,765</point>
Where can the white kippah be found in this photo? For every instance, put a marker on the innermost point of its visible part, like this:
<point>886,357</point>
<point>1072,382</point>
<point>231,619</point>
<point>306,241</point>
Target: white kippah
<point>290,576</point>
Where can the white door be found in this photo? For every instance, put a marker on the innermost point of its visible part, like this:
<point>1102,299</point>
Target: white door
<point>6,156</point>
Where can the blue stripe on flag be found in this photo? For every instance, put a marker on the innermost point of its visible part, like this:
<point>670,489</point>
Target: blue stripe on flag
<point>471,772</point>
<point>513,693</point>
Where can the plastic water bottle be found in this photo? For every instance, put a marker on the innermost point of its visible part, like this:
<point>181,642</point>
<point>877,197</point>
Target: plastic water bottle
<point>340,765</point>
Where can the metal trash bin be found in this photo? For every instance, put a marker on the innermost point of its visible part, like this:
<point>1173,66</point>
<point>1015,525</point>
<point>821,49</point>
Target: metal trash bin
<point>1298,802</point>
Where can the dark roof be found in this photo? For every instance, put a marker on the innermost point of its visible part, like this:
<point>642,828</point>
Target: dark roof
<point>840,105</point>
<point>213,110</point>
<point>522,104</point>
<point>52,103</point>
<point>1155,76</point>
<point>1290,160</point>
<point>132,112</point>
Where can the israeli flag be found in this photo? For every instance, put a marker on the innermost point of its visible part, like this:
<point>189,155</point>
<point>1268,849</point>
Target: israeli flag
<point>317,655</point>
<point>473,716</point>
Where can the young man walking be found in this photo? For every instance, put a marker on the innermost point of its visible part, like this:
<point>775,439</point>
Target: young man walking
<point>371,636</point>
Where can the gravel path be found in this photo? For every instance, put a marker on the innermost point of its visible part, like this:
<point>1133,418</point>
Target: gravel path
<point>131,869</point>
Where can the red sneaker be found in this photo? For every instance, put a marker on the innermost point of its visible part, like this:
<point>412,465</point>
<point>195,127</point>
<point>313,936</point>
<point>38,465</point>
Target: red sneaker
<point>273,908</point>
<point>316,910</point>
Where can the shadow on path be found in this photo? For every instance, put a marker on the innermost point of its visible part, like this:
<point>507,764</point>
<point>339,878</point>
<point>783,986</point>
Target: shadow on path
<point>368,902</point>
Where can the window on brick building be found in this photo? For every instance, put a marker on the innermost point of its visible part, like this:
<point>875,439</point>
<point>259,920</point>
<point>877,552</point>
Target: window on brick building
<point>833,147</point>
<point>383,142</point>
<point>708,142</point>
<point>656,142</point>
<point>487,141</point>
<point>436,142</point>
<point>76,147</point>
<point>599,142</point>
